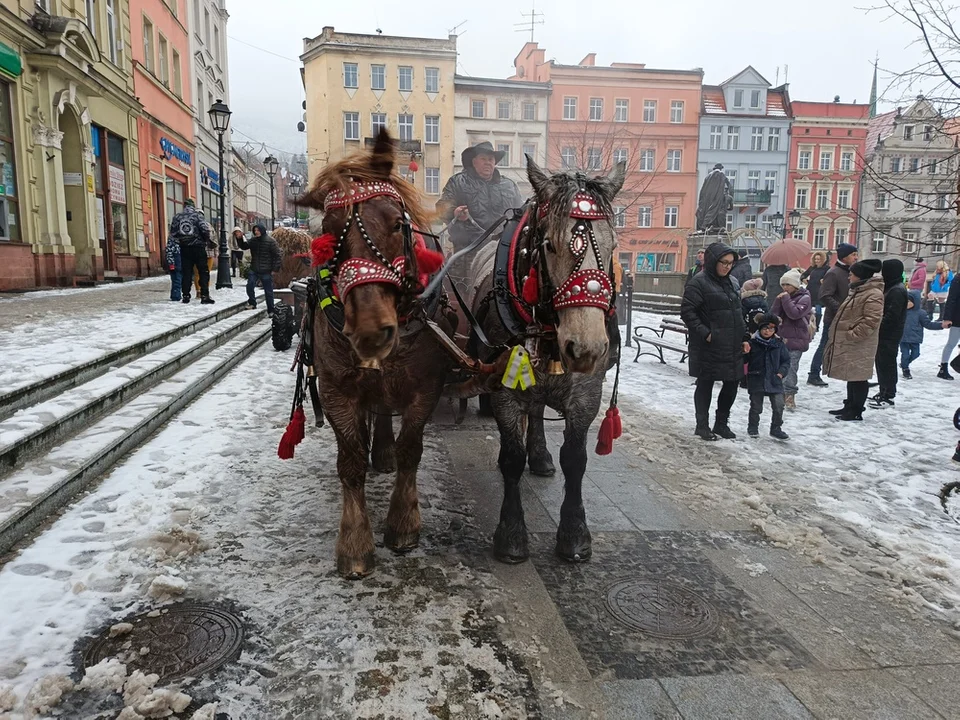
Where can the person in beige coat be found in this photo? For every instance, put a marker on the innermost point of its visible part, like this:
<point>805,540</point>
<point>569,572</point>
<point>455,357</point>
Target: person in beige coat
<point>854,335</point>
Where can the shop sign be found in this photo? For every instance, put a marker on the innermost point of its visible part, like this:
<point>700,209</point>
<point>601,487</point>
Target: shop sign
<point>73,179</point>
<point>171,150</point>
<point>210,178</point>
<point>118,185</point>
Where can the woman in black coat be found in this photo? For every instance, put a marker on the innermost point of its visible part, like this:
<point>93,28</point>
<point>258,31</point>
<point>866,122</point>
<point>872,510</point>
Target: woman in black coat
<point>718,338</point>
<point>814,276</point>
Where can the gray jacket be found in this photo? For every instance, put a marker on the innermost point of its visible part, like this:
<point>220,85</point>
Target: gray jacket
<point>486,200</point>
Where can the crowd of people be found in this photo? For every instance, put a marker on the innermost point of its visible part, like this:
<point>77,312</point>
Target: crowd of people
<point>747,332</point>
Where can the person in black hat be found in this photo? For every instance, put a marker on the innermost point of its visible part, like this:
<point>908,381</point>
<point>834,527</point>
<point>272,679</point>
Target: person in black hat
<point>833,291</point>
<point>475,199</point>
<point>891,331</point>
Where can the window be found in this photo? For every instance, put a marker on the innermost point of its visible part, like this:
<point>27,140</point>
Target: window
<point>505,149</point>
<point>839,236</point>
<point>112,40</point>
<point>378,122</point>
<point>881,203</point>
<point>908,132</point>
<point>503,109</point>
<point>596,109</point>
<point>619,155</point>
<point>755,99</point>
<point>766,222</point>
<point>932,166</point>
<point>802,196</point>
<point>770,181</point>
<point>648,160</point>
<point>670,216</point>
<point>216,43</point>
<point>729,222</point>
<point>773,139</point>
<point>163,52</point>
<point>92,19</point>
<point>206,25</point>
<point>820,238</point>
<point>738,98</point>
<point>568,157</point>
<point>896,164</point>
<point>753,180</point>
<point>431,129</point>
<point>750,221</point>
<point>846,161</point>
<point>800,233</point>
<point>529,111</point>
<point>732,177</point>
<point>177,77</point>
<point>674,160</point>
<point>149,55</point>
<point>10,220</point>
<point>928,133</point>
<point>645,218</point>
<point>843,199</point>
<point>914,166</point>
<point>431,79</point>
<point>676,111</point>
<point>943,202</point>
<point>733,137</point>
<point>200,113</point>
<point>621,110</point>
<point>594,158</point>
<point>939,243</point>
<point>823,199</point>
<point>406,79</point>
<point>378,77</point>
<point>431,181</point>
<point>756,139</point>
<point>649,111</point>
<point>910,201</point>
<point>908,242</point>
<point>530,149</point>
<point>879,241</point>
<point>826,160</point>
<point>175,193</point>
<point>716,137</point>
<point>619,216</point>
<point>351,126</point>
<point>569,108</point>
<point>405,126</point>
<point>116,170</point>
<point>804,159</point>
<point>478,108</point>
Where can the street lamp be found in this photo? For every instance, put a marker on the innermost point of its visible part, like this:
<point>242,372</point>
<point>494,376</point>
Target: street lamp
<point>272,166</point>
<point>220,119</point>
<point>296,186</point>
<point>776,221</point>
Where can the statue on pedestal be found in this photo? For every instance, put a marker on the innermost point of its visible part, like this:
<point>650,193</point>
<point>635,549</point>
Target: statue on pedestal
<point>716,199</point>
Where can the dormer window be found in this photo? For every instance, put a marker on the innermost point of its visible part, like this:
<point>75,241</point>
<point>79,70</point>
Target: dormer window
<point>755,99</point>
<point>738,98</point>
<point>908,132</point>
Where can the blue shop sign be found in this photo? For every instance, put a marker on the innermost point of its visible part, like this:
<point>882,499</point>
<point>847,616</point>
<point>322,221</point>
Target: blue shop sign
<point>170,151</point>
<point>210,177</point>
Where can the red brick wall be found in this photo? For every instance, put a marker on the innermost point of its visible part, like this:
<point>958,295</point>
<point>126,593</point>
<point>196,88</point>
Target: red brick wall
<point>128,266</point>
<point>17,270</point>
<point>55,270</point>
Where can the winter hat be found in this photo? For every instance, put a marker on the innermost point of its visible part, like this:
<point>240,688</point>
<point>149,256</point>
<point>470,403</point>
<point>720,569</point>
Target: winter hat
<point>752,284</point>
<point>892,273</point>
<point>762,319</point>
<point>866,269</point>
<point>845,249</point>
<point>791,277</point>
<point>237,229</point>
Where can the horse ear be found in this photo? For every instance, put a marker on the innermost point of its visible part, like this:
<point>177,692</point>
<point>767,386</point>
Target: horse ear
<point>382,158</point>
<point>538,179</point>
<point>612,183</point>
<point>313,198</point>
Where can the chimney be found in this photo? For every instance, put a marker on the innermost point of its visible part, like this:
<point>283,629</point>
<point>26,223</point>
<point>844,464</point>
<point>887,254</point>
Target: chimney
<point>589,60</point>
<point>836,98</point>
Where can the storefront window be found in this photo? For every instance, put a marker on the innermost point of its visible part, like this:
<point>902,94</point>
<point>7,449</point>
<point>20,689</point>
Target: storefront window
<point>210,204</point>
<point>175,197</point>
<point>9,209</point>
<point>117,178</point>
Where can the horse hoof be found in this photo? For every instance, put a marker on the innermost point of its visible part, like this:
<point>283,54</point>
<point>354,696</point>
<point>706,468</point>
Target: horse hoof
<point>510,544</point>
<point>384,465</point>
<point>542,467</point>
<point>576,545</point>
<point>401,543</point>
<point>355,568</point>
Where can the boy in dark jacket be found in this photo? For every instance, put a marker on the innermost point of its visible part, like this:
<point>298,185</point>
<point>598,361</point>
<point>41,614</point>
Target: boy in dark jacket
<point>917,319</point>
<point>891,331</point>
<point>174,267</point>
<point>768,363</point>
<point>265,259</point>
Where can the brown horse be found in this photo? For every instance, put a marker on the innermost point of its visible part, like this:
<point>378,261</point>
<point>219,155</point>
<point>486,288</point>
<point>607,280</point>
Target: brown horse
<point>381,356</point>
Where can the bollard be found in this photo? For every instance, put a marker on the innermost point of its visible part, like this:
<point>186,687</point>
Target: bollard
<point>628,291</point>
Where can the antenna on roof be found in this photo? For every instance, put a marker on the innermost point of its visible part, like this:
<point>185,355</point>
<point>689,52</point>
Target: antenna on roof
<point>455,28</point>
<point>534,18</point>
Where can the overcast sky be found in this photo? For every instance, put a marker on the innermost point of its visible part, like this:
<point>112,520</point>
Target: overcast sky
<point>828,45</point>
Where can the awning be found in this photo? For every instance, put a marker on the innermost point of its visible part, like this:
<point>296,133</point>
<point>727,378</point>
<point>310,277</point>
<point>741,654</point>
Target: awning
<point>10,63</point>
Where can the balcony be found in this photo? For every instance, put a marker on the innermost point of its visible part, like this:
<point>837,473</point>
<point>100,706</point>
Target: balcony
<point>751,198</point>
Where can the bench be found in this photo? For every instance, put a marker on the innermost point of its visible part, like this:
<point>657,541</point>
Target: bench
<point>658,343</point>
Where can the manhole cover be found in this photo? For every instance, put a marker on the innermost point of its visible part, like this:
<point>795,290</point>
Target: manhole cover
<point>185,639</point>
<point>661,609</point>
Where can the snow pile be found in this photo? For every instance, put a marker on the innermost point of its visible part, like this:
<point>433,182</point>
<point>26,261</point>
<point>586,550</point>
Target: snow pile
<point>166,586</point>
<point>143,700</point>
<point>46,694</point>
<point>108,675</point>
<point>8,699</point>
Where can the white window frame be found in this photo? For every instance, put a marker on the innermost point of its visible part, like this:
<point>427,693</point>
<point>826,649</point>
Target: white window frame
<point>928,131</point>
<point>382,74</point>
<point>112,39</point>
<point>568,157</point>
<point>756,139</point>
<point>621,110</point>
<point>826,160</point>
<point>351,71</point>
<point>753,180</point>
<point>907,242</point>
<point>804,159</point>
<point>650,166</point>
<point>939,244</point>
<point>738,99</point>
<point>770,181</point>
<point>943,201</point>
<point>405,125</point>
<point>649,111</point>
<point>823,199</point>
<point>840,235</point>
<point>758,95</point>
<point>431,129</point>
<point>773,139</point>
<point>733,137</point>
<point>802,199</point>
<point>896,164</point>
<point>674,161</point>
<point>716,137</point>
<point>529,149</point>
<point>908,132</point>
<point>474,104</point>
<point>400,74</point>
<point>819,238</point>
<point>843,199</point>
<point>620,155</point>
<point>596,109</point>
<point>532,106</point>
<point>507,150</point>
<point>750,221</point>
<point>431,180</point>
<point>911,201</point>
<point>881,201</point>
<point>676,111</point>
<point>846,161</point>
<point>351,121</point>
<point>800,233</point>
<point>570,103</point>
<point>594,158</point>
<point>149,51</point>
<point>671,216</point>
<point>878,242</point>
<point>645,216</point>
<point>374,125</point>
<point>915,165</point>
<point>619,216</point>
<point>434,74</point>
<point>504,105</point>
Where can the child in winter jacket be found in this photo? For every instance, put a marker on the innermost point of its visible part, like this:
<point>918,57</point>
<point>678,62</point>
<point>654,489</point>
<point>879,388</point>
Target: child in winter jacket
<point>753,300</point>
<point>768,364</point>
<point>174,267</point>
<point>917,320</point>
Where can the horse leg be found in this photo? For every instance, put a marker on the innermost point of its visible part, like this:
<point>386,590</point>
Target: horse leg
<point>510,538</point>
<point>538,457</point>
<point>402,528</point>
<point>355,555</point>
<point>383,454</point>
<point>573,535</point>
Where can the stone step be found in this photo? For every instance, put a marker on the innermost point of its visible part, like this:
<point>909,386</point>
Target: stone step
<point>47,483</point>
<point>32,430</point>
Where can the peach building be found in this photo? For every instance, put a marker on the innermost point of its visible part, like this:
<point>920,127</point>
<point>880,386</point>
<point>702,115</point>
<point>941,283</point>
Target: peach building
<point>599,115</point>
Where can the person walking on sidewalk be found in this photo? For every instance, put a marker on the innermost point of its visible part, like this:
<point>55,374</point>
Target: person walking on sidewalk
<point>918,278</point>
<point>718,339</point>
<point>769,363</point>
<point>174,267</point>
<point>951,319</point>
<point>891,330</point>
<point>265,259</point>
<point>833,291</point>
<point>794,307</point>
<point>192,232</point>
<point>917,319</point>
<point>854,336</point>
<point>814,278</point>
<point>940,287</point>
<point>236,254</point>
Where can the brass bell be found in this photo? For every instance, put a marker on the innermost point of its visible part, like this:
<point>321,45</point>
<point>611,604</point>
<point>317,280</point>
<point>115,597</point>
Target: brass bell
<point>555,367</point>
<point>373,364</point>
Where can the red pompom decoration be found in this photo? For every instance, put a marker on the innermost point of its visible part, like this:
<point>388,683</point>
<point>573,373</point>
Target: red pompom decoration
<point>293,435</point>
<point>610,430</point>
<point>531,288</point>
<point>322,249</point>
<point>413,166</point>
<point>428,261</point>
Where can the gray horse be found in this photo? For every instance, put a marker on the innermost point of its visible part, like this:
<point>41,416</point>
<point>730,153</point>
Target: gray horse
<point>571,252</point>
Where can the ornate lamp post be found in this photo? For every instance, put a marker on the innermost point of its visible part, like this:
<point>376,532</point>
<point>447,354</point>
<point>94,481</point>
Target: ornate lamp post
<point>272,166</point>
<point>296,186</point>
<point>220,118</point>
<point>777,222</point>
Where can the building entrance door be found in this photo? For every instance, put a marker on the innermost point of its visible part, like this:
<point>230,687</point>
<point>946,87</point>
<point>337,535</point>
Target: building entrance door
<point>76,196</point>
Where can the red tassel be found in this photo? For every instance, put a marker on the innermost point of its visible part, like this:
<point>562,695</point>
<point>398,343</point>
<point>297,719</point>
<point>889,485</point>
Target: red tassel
<point>617,424</point>
<point>293,435</point>
<point>322,249</point>
<point>428,261</point>
<point>606,435</point>
<point>531,288</point>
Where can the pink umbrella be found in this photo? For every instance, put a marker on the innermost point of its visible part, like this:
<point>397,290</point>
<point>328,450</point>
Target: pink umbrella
<point>793,253</point>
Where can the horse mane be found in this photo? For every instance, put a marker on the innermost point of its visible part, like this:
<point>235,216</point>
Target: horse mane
<point>559,191</point>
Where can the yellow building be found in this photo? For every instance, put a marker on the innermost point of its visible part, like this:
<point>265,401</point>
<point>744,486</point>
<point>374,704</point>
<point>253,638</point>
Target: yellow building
<point>70,207</point>
<point>356,84</point>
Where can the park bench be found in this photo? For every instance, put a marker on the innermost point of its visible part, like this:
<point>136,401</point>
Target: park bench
<point>658,342</point>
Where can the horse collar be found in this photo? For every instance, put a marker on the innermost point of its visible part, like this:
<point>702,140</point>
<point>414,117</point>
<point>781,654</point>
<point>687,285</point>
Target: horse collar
<point>358,193</point>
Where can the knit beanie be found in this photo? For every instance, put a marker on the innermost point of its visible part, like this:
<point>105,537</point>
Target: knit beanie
<point>866,269</point>
<point>751,285</point>
<point>791,277</point>
<point>845,249</point>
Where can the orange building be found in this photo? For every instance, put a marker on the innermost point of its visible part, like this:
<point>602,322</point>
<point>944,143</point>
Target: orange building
<point>167,141</point>
<point>599,115</point>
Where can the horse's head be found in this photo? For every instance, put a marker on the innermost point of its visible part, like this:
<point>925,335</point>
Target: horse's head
<point>574,221</point>
<point>369,212</point>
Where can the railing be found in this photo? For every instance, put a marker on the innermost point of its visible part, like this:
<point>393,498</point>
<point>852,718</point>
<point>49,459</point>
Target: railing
<point>752,197</point>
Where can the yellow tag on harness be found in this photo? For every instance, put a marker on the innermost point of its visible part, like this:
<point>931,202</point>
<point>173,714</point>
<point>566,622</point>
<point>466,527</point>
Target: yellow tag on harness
<point>519,370</point>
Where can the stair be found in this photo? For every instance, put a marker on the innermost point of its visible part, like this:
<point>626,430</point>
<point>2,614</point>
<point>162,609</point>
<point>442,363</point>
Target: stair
<point>71,428</point>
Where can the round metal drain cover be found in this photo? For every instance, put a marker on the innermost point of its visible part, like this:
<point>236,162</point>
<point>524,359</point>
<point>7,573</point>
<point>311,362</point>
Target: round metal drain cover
<point>661,609</point>
<point>181,640</point>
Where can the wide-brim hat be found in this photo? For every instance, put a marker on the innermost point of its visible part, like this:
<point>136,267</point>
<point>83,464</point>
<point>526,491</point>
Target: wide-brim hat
<point>471,152</point>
